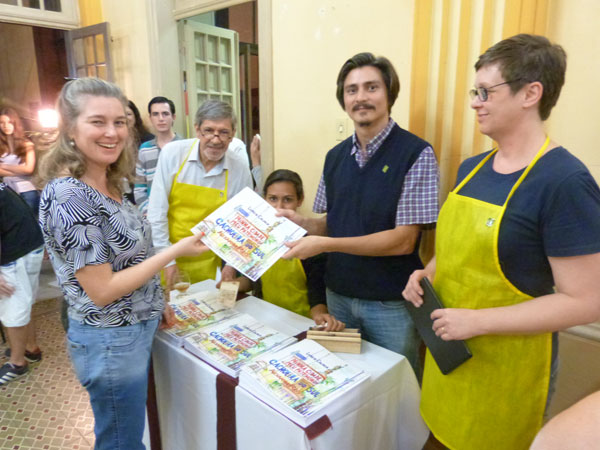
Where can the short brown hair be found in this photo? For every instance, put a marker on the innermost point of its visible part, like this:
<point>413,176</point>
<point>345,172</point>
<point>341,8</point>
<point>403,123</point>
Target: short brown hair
<point>526,58</point>
<point>388,73</point>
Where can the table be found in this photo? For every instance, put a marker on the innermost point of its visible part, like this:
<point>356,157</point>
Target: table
<point>381,413</point>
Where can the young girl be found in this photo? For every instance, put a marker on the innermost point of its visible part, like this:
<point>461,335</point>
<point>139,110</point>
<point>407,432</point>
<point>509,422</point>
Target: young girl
<point>297,285</point>
<point>17,158</point>
<point>101,250</point>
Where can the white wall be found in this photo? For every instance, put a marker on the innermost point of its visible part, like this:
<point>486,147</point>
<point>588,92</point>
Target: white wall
<point>145,51</point>
<point>19,71</point>
<point>311,41</point>
<point>574,121</point>
<point>312,38</point>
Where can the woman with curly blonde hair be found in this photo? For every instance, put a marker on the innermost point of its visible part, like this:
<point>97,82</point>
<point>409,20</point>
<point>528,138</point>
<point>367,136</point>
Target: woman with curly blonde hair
<point>101,250</point>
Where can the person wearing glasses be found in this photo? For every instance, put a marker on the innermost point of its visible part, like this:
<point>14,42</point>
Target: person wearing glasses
<point>193,178</point>
<point>517,256</point>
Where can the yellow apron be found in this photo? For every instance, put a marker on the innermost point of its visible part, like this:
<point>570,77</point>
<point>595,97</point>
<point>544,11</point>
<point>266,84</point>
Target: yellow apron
<point>284,284</point>
<point>495,400</point>
<point>188,205</point>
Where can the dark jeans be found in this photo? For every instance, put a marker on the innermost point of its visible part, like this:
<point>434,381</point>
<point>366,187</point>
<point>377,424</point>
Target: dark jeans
<point>32,198</point>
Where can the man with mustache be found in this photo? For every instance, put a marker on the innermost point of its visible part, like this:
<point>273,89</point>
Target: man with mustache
<point>193,178</point>
<point>379,188</point>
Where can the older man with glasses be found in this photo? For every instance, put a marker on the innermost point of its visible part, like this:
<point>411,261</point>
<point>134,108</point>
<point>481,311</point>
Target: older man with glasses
<point>193,178</point>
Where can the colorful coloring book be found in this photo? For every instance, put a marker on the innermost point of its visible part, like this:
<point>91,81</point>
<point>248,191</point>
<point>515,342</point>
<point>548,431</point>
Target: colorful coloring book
<point>246,233</point>
<point>194,311</point>
<point>301,380</point>
<point>231,343</point>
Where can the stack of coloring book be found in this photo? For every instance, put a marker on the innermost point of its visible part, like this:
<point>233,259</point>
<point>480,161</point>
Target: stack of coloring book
<point>231,343</point>
<point>300,381</point>
<point>194,311</point>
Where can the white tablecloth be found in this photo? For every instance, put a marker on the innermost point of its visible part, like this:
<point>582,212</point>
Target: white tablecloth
<point>381,413</point>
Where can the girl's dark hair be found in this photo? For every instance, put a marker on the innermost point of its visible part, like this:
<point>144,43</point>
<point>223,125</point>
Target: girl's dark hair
<point>139,127</point>
<point>289,176</point>
<point>20,141</point>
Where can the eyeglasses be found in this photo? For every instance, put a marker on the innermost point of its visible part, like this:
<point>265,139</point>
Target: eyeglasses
<point>483,93</point>
<point>210,133</point>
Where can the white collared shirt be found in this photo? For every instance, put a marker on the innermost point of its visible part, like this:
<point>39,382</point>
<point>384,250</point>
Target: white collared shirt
<point>193,172</point>
<point>238,148</point>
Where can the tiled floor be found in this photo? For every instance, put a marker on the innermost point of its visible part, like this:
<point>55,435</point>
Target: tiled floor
<point>48,408</point>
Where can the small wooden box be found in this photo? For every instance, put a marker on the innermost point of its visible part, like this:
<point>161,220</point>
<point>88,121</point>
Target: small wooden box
<point>346,341</point>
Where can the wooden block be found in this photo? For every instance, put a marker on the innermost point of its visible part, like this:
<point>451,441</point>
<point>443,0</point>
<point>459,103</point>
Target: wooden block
<point>352,332</point>
<point>347,341</point>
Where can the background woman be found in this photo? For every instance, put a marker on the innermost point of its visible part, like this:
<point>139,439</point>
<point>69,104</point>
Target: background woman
<point>17,158</point>
<point>101,251</point>
<point>139,135</point>
<point>295,284</point>
<point>517,256</point>
<point>135,121</point>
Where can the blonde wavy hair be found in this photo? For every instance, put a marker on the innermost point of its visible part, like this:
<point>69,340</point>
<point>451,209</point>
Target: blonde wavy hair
<point>64,158</point>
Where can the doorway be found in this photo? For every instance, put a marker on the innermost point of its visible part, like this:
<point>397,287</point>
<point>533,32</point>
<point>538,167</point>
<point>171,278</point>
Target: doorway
<point>33,67</point>
<point>243,20</point>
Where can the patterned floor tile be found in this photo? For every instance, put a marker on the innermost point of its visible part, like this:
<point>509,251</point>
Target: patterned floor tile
<point>47,409</point>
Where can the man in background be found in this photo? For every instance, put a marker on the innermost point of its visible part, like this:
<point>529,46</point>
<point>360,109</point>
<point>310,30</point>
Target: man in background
<point>162,117</point>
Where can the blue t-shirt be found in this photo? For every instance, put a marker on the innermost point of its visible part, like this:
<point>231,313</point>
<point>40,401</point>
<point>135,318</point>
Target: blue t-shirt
<point>555,212</point>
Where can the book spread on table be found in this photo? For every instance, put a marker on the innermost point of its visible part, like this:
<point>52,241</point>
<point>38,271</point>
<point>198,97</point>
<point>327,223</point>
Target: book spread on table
<point>447,354</point>
<point>231,343</point>
<point>194,311</point>
<point>301,380</point>
<point>246,233</point>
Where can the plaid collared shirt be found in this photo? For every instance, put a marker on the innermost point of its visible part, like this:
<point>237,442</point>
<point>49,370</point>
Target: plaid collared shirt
<point>362,158</point>
<point>418,203</point>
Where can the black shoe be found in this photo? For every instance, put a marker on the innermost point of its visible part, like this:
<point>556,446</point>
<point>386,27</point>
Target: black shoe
<point>29,356</point>
<point>10,372</point>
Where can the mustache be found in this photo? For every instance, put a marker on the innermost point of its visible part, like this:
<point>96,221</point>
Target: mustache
<point>362,106</point>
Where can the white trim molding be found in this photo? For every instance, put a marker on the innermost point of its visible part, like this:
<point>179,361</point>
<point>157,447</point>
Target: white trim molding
<point>65,20</point>
<point>189,8</point>
<point>589,331</point>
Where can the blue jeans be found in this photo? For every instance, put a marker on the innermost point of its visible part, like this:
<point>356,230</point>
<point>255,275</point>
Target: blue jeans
<point>552,384</point>
<point>112,364</point>
<point>385,323</point>
<point>32,198</point>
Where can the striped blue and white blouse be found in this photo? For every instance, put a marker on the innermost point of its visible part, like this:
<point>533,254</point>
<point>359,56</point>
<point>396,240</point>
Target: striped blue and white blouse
<point>82,226</point>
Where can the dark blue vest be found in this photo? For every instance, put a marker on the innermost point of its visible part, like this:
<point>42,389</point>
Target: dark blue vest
<point>364,201</point>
